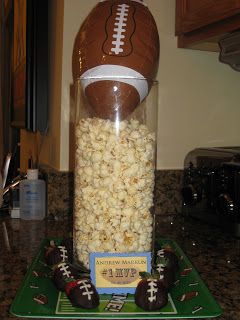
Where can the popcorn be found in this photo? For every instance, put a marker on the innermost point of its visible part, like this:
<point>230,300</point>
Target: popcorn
<point>114,182</point>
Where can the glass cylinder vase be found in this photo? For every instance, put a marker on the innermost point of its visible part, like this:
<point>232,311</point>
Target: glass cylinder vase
<point>115,159</point>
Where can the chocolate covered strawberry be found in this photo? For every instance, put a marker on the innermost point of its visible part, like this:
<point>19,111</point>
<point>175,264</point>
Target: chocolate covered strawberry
<point>82,293</point>
<point>168,254</point>
<point>64,273</point>
<point>68,244</point>
<point>151,294</point>
<point>58,254</point>
<point>165,274</point>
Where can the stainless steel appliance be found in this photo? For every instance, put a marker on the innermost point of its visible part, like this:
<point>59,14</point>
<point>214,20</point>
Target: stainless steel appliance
<point>211,187</point>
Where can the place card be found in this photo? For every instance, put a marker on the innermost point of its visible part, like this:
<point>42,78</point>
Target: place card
<point>118,272</point>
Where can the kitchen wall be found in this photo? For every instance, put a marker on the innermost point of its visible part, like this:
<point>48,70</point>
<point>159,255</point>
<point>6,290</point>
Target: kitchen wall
<point>198,96</point>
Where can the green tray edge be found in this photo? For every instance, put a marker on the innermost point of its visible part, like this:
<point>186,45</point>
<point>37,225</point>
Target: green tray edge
<point>219,310</point>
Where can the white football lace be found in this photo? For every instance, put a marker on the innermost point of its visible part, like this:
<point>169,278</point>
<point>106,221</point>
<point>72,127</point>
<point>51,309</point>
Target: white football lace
<point>120,23</point>
<point>139,1</point>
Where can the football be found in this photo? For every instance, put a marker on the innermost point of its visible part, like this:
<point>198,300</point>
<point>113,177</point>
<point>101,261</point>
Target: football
<point>115,56</point>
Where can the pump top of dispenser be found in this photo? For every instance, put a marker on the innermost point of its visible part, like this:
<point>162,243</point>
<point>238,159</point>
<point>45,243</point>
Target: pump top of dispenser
<point>32,174</point>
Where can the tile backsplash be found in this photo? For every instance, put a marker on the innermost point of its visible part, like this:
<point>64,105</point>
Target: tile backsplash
<point>60,192</point>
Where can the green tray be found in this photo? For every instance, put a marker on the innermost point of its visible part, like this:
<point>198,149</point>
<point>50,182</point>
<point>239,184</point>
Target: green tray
<point>189,298</point>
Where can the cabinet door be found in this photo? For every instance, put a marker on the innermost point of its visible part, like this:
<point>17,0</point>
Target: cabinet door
<point>194,14</point>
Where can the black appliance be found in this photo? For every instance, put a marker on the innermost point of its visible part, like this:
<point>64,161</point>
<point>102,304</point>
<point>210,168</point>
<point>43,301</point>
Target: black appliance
<point>211,187</point>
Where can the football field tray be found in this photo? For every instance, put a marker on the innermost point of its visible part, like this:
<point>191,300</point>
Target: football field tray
<point>38,298</point>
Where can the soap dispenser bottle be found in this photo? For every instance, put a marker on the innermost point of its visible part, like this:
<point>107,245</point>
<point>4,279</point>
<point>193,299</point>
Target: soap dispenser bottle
<point>32,197</point>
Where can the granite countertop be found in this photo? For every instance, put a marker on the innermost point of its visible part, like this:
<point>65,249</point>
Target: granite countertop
<point>214,254</point>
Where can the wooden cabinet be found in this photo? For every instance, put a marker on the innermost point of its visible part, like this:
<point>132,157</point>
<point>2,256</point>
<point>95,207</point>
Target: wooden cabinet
<point>201,23</point>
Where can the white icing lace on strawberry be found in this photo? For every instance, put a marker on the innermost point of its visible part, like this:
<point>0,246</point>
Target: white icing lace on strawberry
<point>85,285</point>
<point>152,285</point>
<point>64,268</point>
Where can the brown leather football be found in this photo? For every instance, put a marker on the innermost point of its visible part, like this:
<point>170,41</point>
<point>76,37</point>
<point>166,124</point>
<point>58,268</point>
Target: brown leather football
<point>116,54</point>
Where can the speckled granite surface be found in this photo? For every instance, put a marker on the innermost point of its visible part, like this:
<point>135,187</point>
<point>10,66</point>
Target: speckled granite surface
<point>168,191</point>
<point>60,192</point>
<point>214,254</point>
